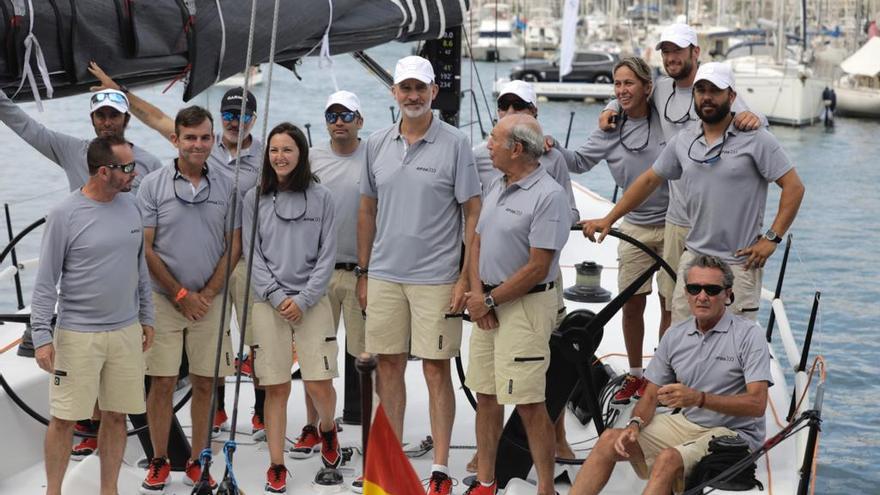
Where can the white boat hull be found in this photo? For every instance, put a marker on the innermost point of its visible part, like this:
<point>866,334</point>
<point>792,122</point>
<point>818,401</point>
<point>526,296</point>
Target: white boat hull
<point>858,102</point>
<point>489,51</point>
<point>784,95</point>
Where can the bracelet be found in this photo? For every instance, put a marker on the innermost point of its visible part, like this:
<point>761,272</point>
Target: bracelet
<point>181,294</point>
<point>702,400</point>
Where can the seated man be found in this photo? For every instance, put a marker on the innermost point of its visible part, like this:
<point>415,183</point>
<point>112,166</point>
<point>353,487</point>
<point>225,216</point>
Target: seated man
<point>715,366</point>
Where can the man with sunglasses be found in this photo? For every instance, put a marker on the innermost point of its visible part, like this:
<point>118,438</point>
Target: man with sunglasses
<point>93,244</point>
<point>109,113</point>
<point>186,208</point>
<point>420,182</point>
<point>224,155</point>
<point>715,367</point>
<point>672,99</point>
<point>338,165</point>
<point>725,172</point>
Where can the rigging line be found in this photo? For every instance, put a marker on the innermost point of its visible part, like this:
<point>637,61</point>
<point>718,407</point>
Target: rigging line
<point>474,70</point>
<point>31,44</point>
<point>325,60</point>
<point>222,54</point>
<point>326,33</point>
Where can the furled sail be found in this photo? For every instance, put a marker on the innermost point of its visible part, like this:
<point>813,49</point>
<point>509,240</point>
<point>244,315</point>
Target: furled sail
<point>49,43</point>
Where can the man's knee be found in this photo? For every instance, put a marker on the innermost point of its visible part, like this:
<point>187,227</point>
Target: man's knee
<point>201,386</point>
<point>437,371</point>
<point>108,417</point>
<point>162,385</point>
<point>668,463</point>
<point>393,364</point>
<point>62,424</point>
<point>530,412</point>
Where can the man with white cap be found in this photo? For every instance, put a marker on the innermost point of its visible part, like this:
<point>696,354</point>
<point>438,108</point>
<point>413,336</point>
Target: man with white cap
<point>725,172</point>
<point>109,113</point>
<point>419,182</point>
<point>339,165</point>
<point>673,100</point>
<point>224,154</point>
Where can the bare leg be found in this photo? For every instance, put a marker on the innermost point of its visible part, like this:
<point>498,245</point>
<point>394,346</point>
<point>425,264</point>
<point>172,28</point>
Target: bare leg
<point>539,430</point>
<point>490,418</point>
<point>111,438</point>
<point>56,451</point>
<point>634,329</point>
<point>391,387</point>
<point>665,316</point>
<point>563,449</point>
<point>441,398</point>
<point>159,411</point>
<point>596,470</point>
<point>311,411</point>
<point>200,406</point>
<point>275,419</point>
<point>324,396</point>
<point>667,468</point>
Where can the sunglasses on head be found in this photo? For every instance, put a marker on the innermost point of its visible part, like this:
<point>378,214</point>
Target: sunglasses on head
<point>126,168</point>
<point>230,116</point>
<point>517,105</point>
<point>711,289</point>
<point>347,117</point>
<point>114,97</point>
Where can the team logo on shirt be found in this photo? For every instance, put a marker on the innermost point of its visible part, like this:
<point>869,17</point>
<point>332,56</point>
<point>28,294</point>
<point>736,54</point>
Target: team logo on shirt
<point>729,359</point>
<point>135,231</point>
<point>515,212</point>
<point>430,170</point>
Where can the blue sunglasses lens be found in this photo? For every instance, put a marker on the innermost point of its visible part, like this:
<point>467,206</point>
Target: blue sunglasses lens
<point>230,116</point>
<point>347,117</point>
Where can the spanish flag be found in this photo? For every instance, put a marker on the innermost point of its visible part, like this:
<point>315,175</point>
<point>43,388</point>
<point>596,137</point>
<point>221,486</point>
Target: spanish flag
<point>388,470</point>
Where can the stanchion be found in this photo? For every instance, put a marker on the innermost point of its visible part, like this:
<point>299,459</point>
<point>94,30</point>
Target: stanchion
<point>366,364</point>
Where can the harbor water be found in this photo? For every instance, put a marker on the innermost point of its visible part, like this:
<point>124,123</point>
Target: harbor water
<point>836,233</point>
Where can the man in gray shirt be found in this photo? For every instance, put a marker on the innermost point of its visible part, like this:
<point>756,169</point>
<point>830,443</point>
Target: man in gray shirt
<point>94,244</point>
<point>338,165</point>
<point>224,155</point>
<point>725,173</point>
<point>715,367</point>
<point>522,229</point>
<point>419,182</point>
<point>186,210</point>
<point>109,113</point>
<point>673,100</point>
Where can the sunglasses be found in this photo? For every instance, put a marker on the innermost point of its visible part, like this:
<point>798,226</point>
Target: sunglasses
<point>517,105</point>
<point>347,117</point>
<point>114,97</point>
<point>126,168</point>
<point>711,289</point>
<point>230,116</point>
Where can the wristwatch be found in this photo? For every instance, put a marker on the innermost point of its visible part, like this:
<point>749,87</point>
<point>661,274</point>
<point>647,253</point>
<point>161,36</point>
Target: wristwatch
<point>772,236</point>
<point>489,301</point>
<point>637,420</point>
<point>359,272</point>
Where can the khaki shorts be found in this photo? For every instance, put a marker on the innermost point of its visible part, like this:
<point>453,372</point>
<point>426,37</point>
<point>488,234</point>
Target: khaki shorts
<point>400,313</point>
<point>746,291</point>
<point>107,366</point>
<point>342,293</point>
<point>675,431</point>
<point>315,338</point>
<point>560,301</point>
<point>511,361</point>
<point>174,333</point>
<point>632,261</point>
<point>237,284</point>
<point>673,245</point>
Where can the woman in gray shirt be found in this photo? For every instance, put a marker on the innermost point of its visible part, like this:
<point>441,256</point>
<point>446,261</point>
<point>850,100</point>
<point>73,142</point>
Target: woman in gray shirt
<point>294,254</point>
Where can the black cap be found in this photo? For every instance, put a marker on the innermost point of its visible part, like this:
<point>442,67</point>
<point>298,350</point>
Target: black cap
<point>231,102</point>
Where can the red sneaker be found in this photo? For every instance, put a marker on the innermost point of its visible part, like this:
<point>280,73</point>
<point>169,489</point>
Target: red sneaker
<point>439,484</point>
<point>259,429</point>
<point>477,488</point>
<point>330,454</point>
<point>194,474</point>
<point>247,367</point>
<point>220,422</point>
<point>157,476</point>
<point>628,389</point>
<point>307,444</point>
<point>87,447</point>
<point>641,391</point>
<point>357,485</point>
<point>276,479</point>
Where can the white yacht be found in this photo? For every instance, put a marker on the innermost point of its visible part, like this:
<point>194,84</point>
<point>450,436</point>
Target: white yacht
<point>858,92</point>
<point>541,35</point>
<point>497,39</point>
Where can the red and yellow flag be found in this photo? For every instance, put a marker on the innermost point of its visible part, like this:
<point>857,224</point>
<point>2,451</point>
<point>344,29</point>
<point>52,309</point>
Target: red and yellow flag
<point>388,470</point>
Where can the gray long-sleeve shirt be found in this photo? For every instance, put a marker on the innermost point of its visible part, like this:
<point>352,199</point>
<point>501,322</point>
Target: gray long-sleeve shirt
<point>295,250</point>
<point>68,152</point>
<point>97,251</point>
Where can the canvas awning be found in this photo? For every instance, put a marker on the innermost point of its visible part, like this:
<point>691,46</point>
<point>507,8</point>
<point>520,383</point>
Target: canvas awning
<point>865,61</point>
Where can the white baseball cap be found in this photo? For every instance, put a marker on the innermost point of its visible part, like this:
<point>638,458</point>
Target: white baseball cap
<point>525,91</point>
<point>413,67</point>
<point>347,99</point>
<point>717,73</point>
<point>681,34</point>
<point>109,98</point>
